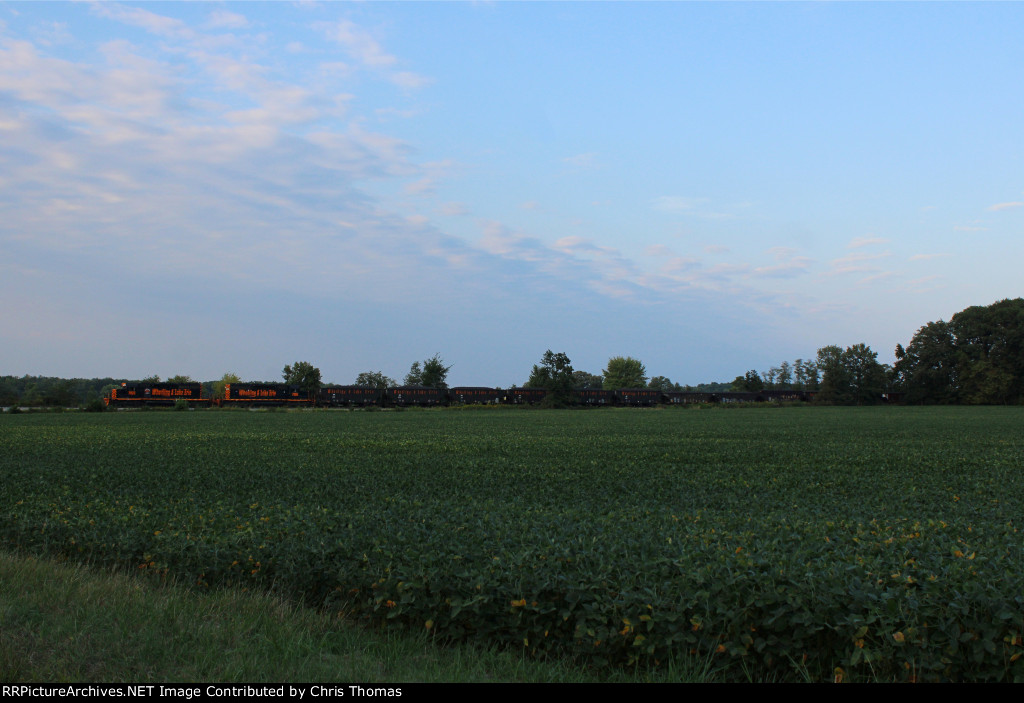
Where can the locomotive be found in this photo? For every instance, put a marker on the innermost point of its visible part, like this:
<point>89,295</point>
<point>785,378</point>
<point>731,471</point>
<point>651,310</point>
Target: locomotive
<point>282,395</point>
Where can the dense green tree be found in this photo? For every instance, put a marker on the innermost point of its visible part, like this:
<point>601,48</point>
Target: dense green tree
<point>304,375</point>
<point>587,381</point>
<point>976,357</point>
<point>661,383</point>
<point>866,376</point>
<point>376,379</point>
<point>927,369</point>
<point>784,379</point>
<point>624,372</point>
<point>180,379</point>
<point>850,376</point>
<point>555,374</point>
<point>431,372</point>
<point>835,385</point>
<point>415,375</point>
<point>750,382</point>
<point>435,373</point>
<point>990,352</point>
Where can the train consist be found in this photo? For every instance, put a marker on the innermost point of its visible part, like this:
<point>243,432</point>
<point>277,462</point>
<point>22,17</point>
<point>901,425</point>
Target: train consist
<point>139,395</point>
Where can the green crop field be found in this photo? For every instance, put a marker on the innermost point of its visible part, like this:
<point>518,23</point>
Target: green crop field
<point>859,543</point>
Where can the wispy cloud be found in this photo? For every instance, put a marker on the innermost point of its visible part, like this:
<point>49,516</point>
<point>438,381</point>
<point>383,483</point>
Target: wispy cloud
<point>224,19</point>
<point>367,52</point>
<point>856,263</point>
<point>453,209</point>
<point>860,242</point>
<point>788,264</point>
<point>1005,206</point>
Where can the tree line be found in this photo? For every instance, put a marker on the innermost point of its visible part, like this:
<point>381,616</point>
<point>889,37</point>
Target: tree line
<point>977,357</point>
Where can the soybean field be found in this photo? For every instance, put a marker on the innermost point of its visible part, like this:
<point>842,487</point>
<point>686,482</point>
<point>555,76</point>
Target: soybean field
<point>782,543</point>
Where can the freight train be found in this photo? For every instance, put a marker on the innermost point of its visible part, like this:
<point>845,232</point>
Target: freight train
<point>139,395</point>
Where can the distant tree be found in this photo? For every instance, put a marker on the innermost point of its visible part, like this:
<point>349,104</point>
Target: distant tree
<point>218,386</point>
<point>60,394</point>
<point>180,379</point>
<point>415,375</point>
<point>304,375</point>
<point>555,374</point>
<point>151,379</point>
<point>866,376</point>
<point>624,372</point>
<point>990,352</point>
<point>587,381</point>
<point>835,384</point>
<point>850,376</point>
<point>376,379</point>
<point>661,383</point>
<point>785,376</point>
<point>435,373</point>
<point>750,382</point>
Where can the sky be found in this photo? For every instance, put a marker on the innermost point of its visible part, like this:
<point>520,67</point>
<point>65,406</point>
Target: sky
<point>200,188</point>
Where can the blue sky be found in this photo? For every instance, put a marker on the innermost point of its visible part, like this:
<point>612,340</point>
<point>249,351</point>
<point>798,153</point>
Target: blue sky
<point>199,188</point>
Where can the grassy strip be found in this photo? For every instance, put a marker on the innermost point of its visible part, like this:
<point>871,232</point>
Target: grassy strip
<point>69,623</point>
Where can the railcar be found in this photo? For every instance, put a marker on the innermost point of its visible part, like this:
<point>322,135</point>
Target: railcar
<point>156,394</point>
<point>637,396</point>
<point>264,394</point>
<point>525,396</point>
<point>466,395</point>
<point>416,395</point>
<point>594,396</point>
<point>349,396</point>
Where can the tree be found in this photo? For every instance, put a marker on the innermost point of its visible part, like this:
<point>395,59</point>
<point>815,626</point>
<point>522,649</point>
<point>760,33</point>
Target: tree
<point>586,381</point>
<point>218,386</point>
<point>835,386</point>
<point>785,377</point>
<point>661,383</point>
<point>415,375</point>
<point>866,376</point>
<point>624,372</point>
<point>431,372</point>
<point>435,373</point>
<point>989,345</point>
<point>304,375</point>
<point>851,375</point>
<point>748,383</point>
<point>376,379</point>
<point>180,379</point>
<point>554,374</point>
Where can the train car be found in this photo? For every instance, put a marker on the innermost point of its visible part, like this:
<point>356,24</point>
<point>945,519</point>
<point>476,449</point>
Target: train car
<point>594,396</point>
<point>350,396</point>
<point>525,396</point>
<point>688,397</point>
<point>147,394</point>
<point>740,397</point>
<point>637,396</point>
<point>780,395</point>
<point>416,395</point>
<point>264,394</point>
<point>475,394</point>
